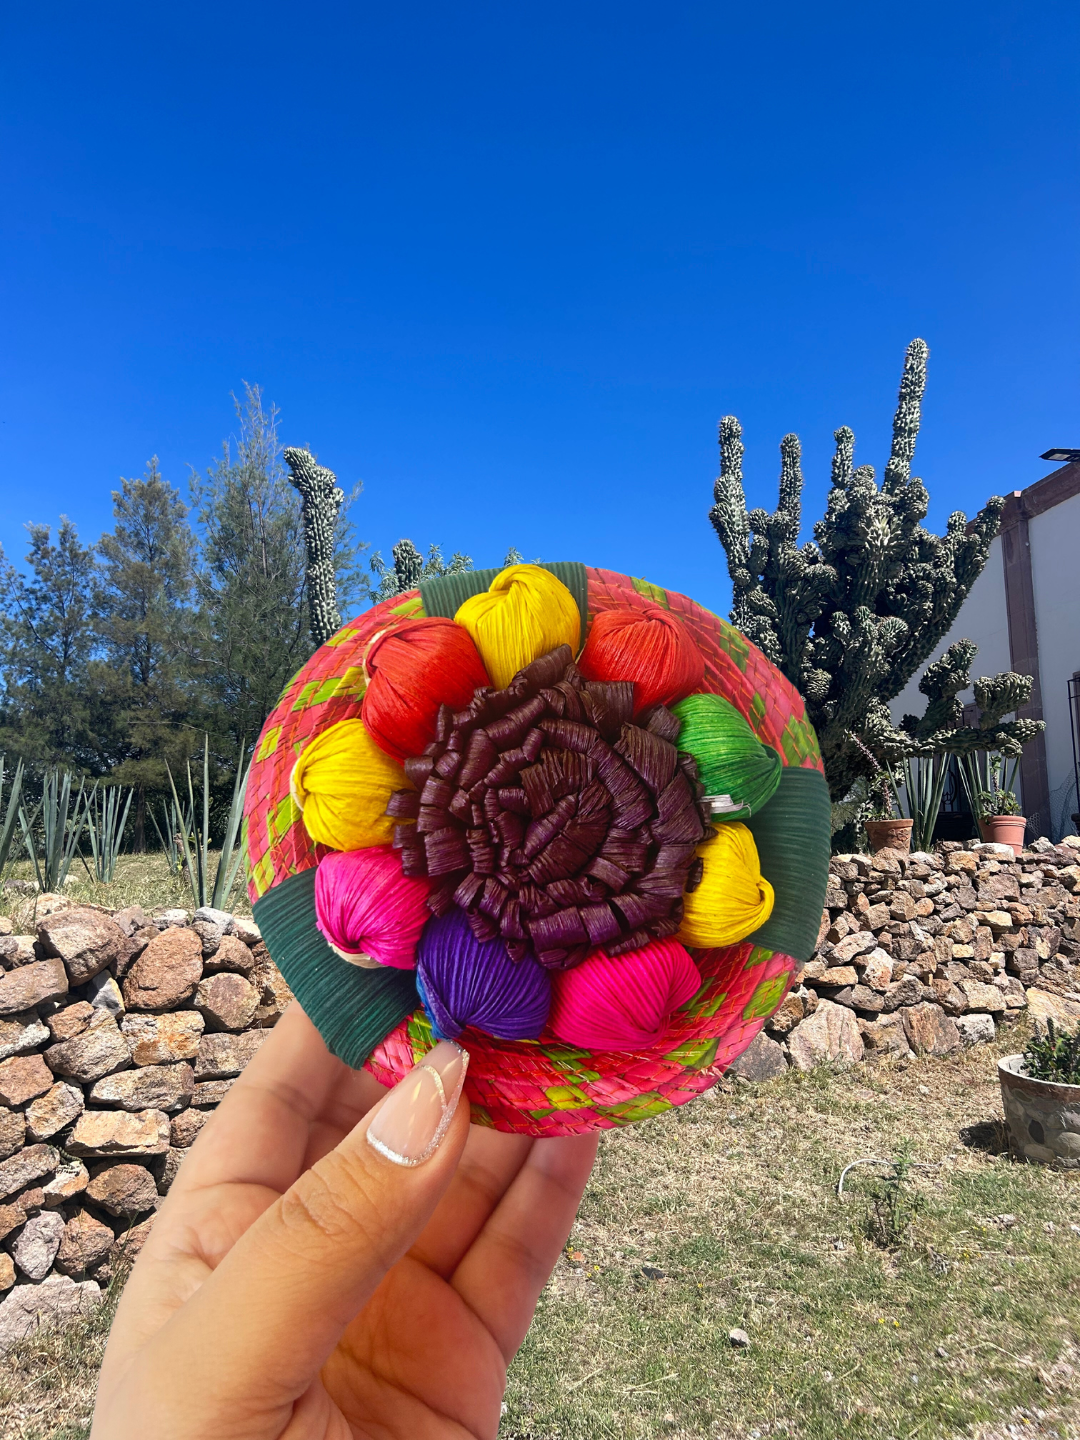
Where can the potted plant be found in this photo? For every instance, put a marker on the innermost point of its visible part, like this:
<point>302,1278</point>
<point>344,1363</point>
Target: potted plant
<point>1040,1091</point>
<point>885,828</point>
<point>989,782</point>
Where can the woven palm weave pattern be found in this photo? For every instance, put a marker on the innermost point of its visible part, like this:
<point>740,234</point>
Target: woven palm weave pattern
<point>544,1087</point>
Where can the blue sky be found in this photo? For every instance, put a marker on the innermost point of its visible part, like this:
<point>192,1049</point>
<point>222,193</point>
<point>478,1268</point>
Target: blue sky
<point>508,265</point>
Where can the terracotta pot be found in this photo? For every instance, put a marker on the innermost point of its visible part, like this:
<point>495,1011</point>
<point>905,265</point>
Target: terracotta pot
<point>1004,830</point>
<point>889,834</point>
<point>1043,1116</point>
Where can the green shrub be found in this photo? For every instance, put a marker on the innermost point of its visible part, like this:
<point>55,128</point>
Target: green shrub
<point>1054,1056</point>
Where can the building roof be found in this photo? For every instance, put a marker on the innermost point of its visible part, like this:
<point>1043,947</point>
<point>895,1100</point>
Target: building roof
<point>1044,494</point>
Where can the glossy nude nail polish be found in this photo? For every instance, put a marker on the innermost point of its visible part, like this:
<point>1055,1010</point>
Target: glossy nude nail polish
<point>414,1117</point>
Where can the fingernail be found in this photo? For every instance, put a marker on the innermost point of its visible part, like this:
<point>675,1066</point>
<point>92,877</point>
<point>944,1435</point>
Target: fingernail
<point>415,1116</point>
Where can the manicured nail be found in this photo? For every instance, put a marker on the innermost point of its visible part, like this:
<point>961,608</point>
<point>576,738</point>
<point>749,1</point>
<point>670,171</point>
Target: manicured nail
<point>416,1114</point>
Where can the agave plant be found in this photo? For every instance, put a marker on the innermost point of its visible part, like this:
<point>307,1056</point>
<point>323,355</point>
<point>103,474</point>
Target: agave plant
<point>194,842</point>
<point>58,824</point>
<point>924,779</point>
<point>10,810</point>
<point>107,813</point>
<point>177,825</point>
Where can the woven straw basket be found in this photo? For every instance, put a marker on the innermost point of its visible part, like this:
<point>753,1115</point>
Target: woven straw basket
<point>373,1017</point>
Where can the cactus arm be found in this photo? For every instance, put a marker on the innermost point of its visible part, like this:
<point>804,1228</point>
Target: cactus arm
<point>320,501</point>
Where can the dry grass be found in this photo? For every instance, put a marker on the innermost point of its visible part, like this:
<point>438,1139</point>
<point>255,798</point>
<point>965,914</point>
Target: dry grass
<point>731,1203</point>
<point>47,1381</point>
<point>965,1325</point>
<point>140,880</point>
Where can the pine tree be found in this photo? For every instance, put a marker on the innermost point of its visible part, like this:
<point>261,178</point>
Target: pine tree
<point>49,711</point>
<point>251,586</point>
<point>249,580</point>
<point>144,621</point>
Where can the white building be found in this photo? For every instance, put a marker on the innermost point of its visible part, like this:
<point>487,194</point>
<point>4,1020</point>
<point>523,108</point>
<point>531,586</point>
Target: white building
<point>1024,614</point>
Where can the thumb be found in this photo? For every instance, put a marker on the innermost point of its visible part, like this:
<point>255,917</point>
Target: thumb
<point>266,1320</point>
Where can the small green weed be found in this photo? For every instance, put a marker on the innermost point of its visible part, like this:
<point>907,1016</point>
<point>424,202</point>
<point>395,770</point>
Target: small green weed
<point>893,1205</point>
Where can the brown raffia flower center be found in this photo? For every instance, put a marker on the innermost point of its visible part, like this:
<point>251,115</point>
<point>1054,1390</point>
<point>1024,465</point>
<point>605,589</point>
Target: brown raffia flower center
<point>552,819</point>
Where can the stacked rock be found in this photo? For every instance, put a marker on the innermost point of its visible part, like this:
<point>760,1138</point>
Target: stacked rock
<point>930,952</point>
<point>119,1033</point>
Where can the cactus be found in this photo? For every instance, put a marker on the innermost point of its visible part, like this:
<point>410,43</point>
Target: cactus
<point>320,501</point>
<point>850,616</point>
<point>410,568</point>
<point>940,730</point>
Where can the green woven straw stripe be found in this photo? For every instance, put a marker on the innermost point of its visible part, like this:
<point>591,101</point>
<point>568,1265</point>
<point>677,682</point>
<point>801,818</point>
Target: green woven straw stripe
<point>793,835</point>
<point>447,594</point>
<point>353,1009</point>
<point>731,760</point>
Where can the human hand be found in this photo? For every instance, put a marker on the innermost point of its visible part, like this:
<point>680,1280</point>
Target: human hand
<point>299,1283</point>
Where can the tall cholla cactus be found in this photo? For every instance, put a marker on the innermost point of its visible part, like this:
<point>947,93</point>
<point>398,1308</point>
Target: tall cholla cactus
<point>407,572</point>
<point>851,615</point>
<point>320,500</point>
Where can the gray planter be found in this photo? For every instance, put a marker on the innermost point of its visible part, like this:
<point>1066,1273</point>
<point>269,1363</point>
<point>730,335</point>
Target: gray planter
<point>1043,1117</point>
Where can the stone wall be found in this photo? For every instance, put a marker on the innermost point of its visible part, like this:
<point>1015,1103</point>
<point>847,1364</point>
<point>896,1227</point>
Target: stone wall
<point>930,952</point>
<point>119,1033</point>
